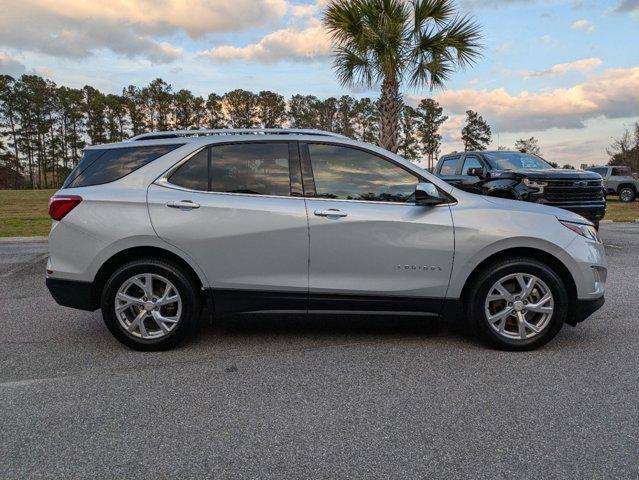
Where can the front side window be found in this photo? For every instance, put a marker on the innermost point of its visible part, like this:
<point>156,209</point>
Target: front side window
<point>471,162</point>
<point>351,174</point>
<point>108,165</point>
<point>449,166</point>
<point>620,171</point>
<point>600,171</point>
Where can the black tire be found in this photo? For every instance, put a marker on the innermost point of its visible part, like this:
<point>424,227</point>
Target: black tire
<point>627,194</point>
<point>474,303</point>
<point>186,288</point>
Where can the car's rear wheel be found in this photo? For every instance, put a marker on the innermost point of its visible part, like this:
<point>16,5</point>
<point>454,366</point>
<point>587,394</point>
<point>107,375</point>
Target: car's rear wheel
<point>627,194</point>
<point>150,304</point>
<point>517,304</point>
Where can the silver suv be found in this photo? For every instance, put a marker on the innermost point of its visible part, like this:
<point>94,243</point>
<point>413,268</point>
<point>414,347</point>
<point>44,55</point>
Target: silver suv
<point>618,181</point>
<point>153,229</point>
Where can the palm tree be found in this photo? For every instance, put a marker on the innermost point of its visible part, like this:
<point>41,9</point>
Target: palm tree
<point>414,43</point>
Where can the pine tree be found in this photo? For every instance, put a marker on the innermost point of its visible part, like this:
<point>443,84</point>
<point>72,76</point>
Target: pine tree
<point>271,109</point>
<point>431,118</point>
<point>476,133</point>
<point>409,147</point>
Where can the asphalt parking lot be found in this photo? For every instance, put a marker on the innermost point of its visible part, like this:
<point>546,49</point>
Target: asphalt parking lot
<point>320,397</point>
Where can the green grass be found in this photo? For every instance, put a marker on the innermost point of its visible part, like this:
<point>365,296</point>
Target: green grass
<point>23,213</point>
<point>618,211</point>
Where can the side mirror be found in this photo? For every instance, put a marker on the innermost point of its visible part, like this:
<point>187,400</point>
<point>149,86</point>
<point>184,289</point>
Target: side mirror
<point>476,172</point>
<point>427,194</point>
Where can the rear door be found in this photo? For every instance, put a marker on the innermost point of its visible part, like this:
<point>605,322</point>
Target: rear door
<point>237,209</point>
<point>371,247</point>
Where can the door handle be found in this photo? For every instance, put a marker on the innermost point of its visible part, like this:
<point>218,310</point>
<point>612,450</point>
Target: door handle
<point>331,212</point>
<point>187,204</point>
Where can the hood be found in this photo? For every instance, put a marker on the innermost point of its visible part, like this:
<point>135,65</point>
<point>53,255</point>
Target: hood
<point>554,173</point>
<point>531,207</point>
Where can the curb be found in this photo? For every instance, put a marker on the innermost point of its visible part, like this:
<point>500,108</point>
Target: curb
<point>24,239</point>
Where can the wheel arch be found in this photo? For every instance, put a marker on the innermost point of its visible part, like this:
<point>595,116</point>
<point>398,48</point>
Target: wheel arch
<point>126,255</point>
<point>530,252</point>
<point>626,184</point>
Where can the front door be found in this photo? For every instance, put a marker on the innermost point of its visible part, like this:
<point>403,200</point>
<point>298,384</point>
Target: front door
<point>237,210</point>
<point>371,247</point>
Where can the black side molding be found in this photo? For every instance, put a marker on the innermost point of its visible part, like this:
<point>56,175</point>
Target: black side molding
<point>242,301</point>
<point>74,294</point>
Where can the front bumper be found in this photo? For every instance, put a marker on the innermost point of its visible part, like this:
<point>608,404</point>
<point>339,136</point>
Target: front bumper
<point>583,309</point>
<point>74,294</point>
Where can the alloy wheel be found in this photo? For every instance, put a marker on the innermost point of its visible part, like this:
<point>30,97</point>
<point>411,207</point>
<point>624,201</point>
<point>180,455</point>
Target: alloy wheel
<point>148,306</point>
<point>519,306</point>
<point>626,194</point>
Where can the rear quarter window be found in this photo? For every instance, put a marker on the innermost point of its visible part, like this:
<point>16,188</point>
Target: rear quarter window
<point>108,165</point>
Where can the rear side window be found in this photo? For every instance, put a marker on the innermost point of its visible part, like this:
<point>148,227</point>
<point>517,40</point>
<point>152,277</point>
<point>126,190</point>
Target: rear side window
<point>600,171</point>
<point>104,166</point>
<point>255,168</point>
<point>449,166</point>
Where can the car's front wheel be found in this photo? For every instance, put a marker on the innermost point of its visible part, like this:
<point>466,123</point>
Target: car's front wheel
<point>150,304</point>
<point>517,304</point>
<point>627,194</point>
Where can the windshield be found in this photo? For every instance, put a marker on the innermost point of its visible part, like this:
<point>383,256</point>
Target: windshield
<point>506,160</point>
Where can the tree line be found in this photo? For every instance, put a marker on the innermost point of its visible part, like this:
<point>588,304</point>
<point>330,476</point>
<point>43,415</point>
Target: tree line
<point>44,127</point>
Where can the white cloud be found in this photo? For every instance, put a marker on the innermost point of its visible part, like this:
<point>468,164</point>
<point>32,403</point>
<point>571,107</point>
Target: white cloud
<point>310,9</point>
<point>610,95</point>
<point>563,68</point>
<point>10,66</point>
<point>290,43</point>
<point>71,28</point>
<point>583,25</point>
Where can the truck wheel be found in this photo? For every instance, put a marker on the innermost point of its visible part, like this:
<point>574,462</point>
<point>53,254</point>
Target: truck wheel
<point>627,194</point>
<point>517,304</point>
<point>150,304</point>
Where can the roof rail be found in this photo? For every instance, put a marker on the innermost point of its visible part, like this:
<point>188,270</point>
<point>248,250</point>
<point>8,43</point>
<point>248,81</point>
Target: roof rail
<point>233,131</point>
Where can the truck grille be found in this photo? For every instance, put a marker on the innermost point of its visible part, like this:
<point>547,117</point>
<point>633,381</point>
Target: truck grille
<point>573,191</point>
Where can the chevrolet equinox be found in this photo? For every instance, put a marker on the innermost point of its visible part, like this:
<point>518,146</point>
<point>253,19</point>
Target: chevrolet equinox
<point>153,229</point>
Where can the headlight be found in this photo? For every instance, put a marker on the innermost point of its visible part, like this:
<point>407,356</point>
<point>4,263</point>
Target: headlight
<point>587,231</point>
<point>534,183</point>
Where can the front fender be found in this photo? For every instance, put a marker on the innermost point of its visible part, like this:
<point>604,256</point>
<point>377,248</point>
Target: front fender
<point>467,261</point>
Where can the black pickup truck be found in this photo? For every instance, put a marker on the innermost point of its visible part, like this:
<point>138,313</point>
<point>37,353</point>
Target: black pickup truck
<point>522,176</point>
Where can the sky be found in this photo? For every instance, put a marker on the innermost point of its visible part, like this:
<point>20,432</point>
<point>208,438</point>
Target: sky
<point>563,71</point>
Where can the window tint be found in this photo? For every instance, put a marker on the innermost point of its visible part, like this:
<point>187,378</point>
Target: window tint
<point>470,162</point>
<point>348,173</point>
<point>449,166</point>
<point>194,173</point>
<point>116,163</point>
<point>622,171</point>
<point>258,168</point>
<point>87,159</point>
<point>600,171</point>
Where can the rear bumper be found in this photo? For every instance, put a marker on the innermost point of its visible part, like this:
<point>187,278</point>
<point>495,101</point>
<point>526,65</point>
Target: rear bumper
<point>74,294</point>
<point>583,309</point>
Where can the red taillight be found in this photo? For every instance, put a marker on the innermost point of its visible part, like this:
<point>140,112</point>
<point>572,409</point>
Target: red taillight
<point>60,205</point>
